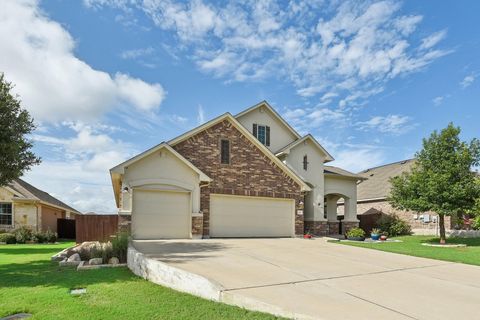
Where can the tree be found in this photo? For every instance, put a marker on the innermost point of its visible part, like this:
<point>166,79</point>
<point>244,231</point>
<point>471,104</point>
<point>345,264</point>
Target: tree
<point>441,180</point>
<point>16,123</point>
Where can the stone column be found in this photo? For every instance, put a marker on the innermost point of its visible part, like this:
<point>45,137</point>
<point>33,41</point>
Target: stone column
<point>333,224</point>
<point>351,220</point>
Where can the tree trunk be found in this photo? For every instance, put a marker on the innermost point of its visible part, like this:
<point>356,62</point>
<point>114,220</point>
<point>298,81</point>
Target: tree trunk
<point>441,220</point>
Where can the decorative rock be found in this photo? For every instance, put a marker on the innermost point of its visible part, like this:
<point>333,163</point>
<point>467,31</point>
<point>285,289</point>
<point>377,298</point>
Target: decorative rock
<point>95,261</point>
<point>113,260</point>
<point>74,257</point>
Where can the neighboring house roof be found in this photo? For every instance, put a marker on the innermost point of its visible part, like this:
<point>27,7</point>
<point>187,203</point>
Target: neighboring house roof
<point>250,137</point>
<point>275,113</point>
<point>287,148</point>
<point>377,186</point>
<point>335,171</point>
<point>29,192</point>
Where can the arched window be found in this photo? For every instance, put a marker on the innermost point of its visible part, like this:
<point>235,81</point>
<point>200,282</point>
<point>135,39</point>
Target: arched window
<point>305,162</point>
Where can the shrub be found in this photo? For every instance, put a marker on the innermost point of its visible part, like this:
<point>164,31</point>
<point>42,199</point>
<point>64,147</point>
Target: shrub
<point>8,238</point>
<point>120,246</point>
<point>355,233</point>
<point>23,234</point>
<point>38,237</point>
<point>393,225</point>
<point>476,223</point>
<point>375,231</point>
<point>50,236</point>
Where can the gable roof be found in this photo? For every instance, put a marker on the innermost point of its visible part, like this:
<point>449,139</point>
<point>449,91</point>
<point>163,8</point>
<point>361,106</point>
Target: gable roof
<point>377,187</point>
<point>27,191</point>
<point>163,145</point>
<point>250,137</point>
<point>335,171</point>
<point>118,170</point>
<point>275,114</point>
<point>287,148</point>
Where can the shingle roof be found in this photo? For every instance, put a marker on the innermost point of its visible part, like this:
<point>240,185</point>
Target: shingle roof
<point>378,186</point>
<point>341,172</point>
<point>30,192</point>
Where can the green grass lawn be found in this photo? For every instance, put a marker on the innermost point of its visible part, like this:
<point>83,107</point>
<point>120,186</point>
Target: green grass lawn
<point>30,283</point>
<point>412,246</point>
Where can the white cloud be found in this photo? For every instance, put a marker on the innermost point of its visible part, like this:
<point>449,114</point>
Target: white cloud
<point>433,39</point>
<point>54,85</point>
<point>77,169</point>
<point>200,115</point>
<point>358,159</point>
<point>438,100</point>
<point>136,53</point>
<point>393,124</point>
<point>467,81</point>
<point>356,47</point>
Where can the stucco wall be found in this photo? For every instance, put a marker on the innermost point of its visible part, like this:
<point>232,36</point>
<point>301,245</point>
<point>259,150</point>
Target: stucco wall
<point>280,136</point>
<point>161,170</point>
<point>250,172</point>
<point>314,175</point>
<point>344,187</point>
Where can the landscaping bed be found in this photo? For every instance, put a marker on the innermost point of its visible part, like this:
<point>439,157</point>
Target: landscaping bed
<point>31,283</point>
<point>414,246</point>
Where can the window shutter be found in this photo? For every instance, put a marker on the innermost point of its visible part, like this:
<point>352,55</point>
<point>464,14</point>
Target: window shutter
<point>267,138</point>
<point>255,130</point>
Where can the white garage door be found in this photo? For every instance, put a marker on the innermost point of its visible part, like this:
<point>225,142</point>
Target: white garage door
<point>237,216</point>
<point>160,214</point>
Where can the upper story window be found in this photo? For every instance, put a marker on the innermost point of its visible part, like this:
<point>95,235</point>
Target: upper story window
<point>305,162</point>
<point>262,133</point>
<point>6,213</point>
<point>225,151</point>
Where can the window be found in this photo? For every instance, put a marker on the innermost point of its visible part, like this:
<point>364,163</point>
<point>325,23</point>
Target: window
<point>225,152</point>
<point>262,133</point>
<point>305,162</point>
<point>6,213</point>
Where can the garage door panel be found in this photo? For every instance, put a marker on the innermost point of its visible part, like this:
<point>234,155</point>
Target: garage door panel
<point>236,216</point>
<point>160,214</point>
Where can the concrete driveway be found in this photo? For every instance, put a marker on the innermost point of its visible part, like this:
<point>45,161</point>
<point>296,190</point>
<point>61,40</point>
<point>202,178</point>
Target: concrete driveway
<point>320,280</point>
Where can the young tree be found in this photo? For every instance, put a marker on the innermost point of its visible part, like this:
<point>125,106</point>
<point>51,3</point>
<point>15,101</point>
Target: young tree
<point>441,179</point>
<point>15,123</point>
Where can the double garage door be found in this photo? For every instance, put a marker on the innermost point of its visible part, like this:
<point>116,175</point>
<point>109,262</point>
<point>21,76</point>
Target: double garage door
<point>167,215</point>
<point>237,216</point>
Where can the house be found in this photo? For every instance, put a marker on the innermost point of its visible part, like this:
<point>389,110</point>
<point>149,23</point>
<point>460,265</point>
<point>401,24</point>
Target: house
<point>373,191</point>
<point>248,175</point>
<point>21,204</point>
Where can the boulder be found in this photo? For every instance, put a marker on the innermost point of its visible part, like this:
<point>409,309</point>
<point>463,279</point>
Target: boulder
<point>95,261</point>
<point>74,257</point>
<point>113,260</point>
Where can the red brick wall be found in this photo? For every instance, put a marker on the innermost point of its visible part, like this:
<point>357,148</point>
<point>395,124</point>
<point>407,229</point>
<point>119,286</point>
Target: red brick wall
<point>250,172</point>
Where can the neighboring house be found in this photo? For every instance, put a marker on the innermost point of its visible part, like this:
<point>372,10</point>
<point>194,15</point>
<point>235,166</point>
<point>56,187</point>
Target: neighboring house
<point>21,204</point>
<point>249,175</point>
<point>373,192</point>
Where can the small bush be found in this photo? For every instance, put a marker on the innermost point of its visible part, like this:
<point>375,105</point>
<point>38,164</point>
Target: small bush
<point>8,238</point>
<point>476,223</point>
<point>23,234</point>
<point>50,236</point>
<point>355,233</point>
<point>393,225</point>
<point>38,237</point>
<point>120,246</point>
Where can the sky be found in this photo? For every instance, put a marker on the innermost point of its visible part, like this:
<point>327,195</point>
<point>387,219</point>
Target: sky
<point>108,79</point>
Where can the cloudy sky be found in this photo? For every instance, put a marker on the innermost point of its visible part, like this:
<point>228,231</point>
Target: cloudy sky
<point>106,79</point>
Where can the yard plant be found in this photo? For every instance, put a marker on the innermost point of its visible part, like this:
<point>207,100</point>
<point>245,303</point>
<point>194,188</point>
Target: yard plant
<point>441,179</point>
<point>31,283</point>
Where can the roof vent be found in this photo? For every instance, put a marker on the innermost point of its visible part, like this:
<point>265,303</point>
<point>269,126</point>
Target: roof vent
<point>371,174</point>
<point>403,162</point>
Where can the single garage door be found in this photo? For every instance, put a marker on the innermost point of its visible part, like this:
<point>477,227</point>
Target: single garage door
<point>160,214</point>
<point>237,216</point>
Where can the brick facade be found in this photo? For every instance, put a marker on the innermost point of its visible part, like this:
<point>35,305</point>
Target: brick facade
<point>417,225</point>
<point>250,172</point>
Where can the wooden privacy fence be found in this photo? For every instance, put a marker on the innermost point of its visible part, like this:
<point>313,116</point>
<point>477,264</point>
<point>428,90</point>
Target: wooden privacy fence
<point>95,227</point>
<point>66,228</point>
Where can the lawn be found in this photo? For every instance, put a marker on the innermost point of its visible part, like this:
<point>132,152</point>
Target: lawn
<point>30,283</point>
<point>412,246</point>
